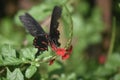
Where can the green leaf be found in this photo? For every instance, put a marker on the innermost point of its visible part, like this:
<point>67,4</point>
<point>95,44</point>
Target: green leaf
<point>30,71</point>
<point>15,75</point>
<point>1,60</point>
<point>54,66</point>
<point>12,61</point>
<point>116,77</point>
<point>45,55</point>
<point>8,72</point>
<point>103,71</point>
<point>113,61</point>
<point>72,76</point>
<point>8,51</point>
<point>28,53</point>
<point>2,78</point>
<point>9,55</point>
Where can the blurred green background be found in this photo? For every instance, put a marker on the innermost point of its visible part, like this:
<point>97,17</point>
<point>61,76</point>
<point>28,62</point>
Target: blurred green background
<point>95,40</point>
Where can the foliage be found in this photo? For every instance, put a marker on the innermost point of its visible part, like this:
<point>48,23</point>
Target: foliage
<point>17,54</point>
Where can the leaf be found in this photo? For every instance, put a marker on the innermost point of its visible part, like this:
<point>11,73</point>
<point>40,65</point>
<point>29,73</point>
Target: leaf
<point>28,53</point>
<point>45,55</point>
<point>113,61</point>
<point>1,60</point>
<point>54,66</point>
<point>103,71</point>
<point>72,76</point>
<point>8,72</point>
<point>2,78</point>
<point>30,71</point>
<point>12,61</point>
<point>117,77</point>
<point>9,56</point>
<point>15,75</point>
<point>8,51</point>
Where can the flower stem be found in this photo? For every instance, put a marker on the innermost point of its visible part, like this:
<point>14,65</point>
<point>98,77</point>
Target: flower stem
<point>112,37</point>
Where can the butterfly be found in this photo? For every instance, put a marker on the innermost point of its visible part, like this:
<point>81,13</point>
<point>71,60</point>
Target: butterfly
<point>41,38</point>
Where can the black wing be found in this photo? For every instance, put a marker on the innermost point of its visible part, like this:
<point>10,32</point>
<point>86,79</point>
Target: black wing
<point>31,25</point>
<point>41,38</point>
<point>41,42</point>
<point>54,33</point>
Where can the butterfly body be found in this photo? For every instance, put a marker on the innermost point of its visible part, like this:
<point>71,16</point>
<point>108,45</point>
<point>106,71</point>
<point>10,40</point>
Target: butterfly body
<point>41,38</point>
<point>41,42</point>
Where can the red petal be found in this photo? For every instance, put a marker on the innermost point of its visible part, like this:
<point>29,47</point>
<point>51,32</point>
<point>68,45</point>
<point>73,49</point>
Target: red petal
<point>51,61</point>
<point>61,51</point>
<point>66,56</point>
<point>102,59</point>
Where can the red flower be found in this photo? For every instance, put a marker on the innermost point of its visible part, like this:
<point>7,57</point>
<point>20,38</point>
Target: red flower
<point>67,54</point>
<point>51,61</point>
<point>61,51</point>
<point>102,59</point>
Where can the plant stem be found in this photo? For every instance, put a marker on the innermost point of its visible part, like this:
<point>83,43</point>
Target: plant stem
<point>112,37</point>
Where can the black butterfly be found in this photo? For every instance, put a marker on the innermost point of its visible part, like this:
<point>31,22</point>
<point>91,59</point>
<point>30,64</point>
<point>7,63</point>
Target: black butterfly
<point>42,39</point>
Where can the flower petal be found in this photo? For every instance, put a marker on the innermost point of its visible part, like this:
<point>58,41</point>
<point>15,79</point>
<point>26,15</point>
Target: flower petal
<point>102,59</point>
<point>61,51</point>
<point>66,56</point>
<point>51,61</point>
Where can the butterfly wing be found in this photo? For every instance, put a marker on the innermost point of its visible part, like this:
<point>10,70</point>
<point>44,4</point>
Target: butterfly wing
<point>54,33</point>
<point>31,25</point>
<point>41,38</point>
<point>41,42</point>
